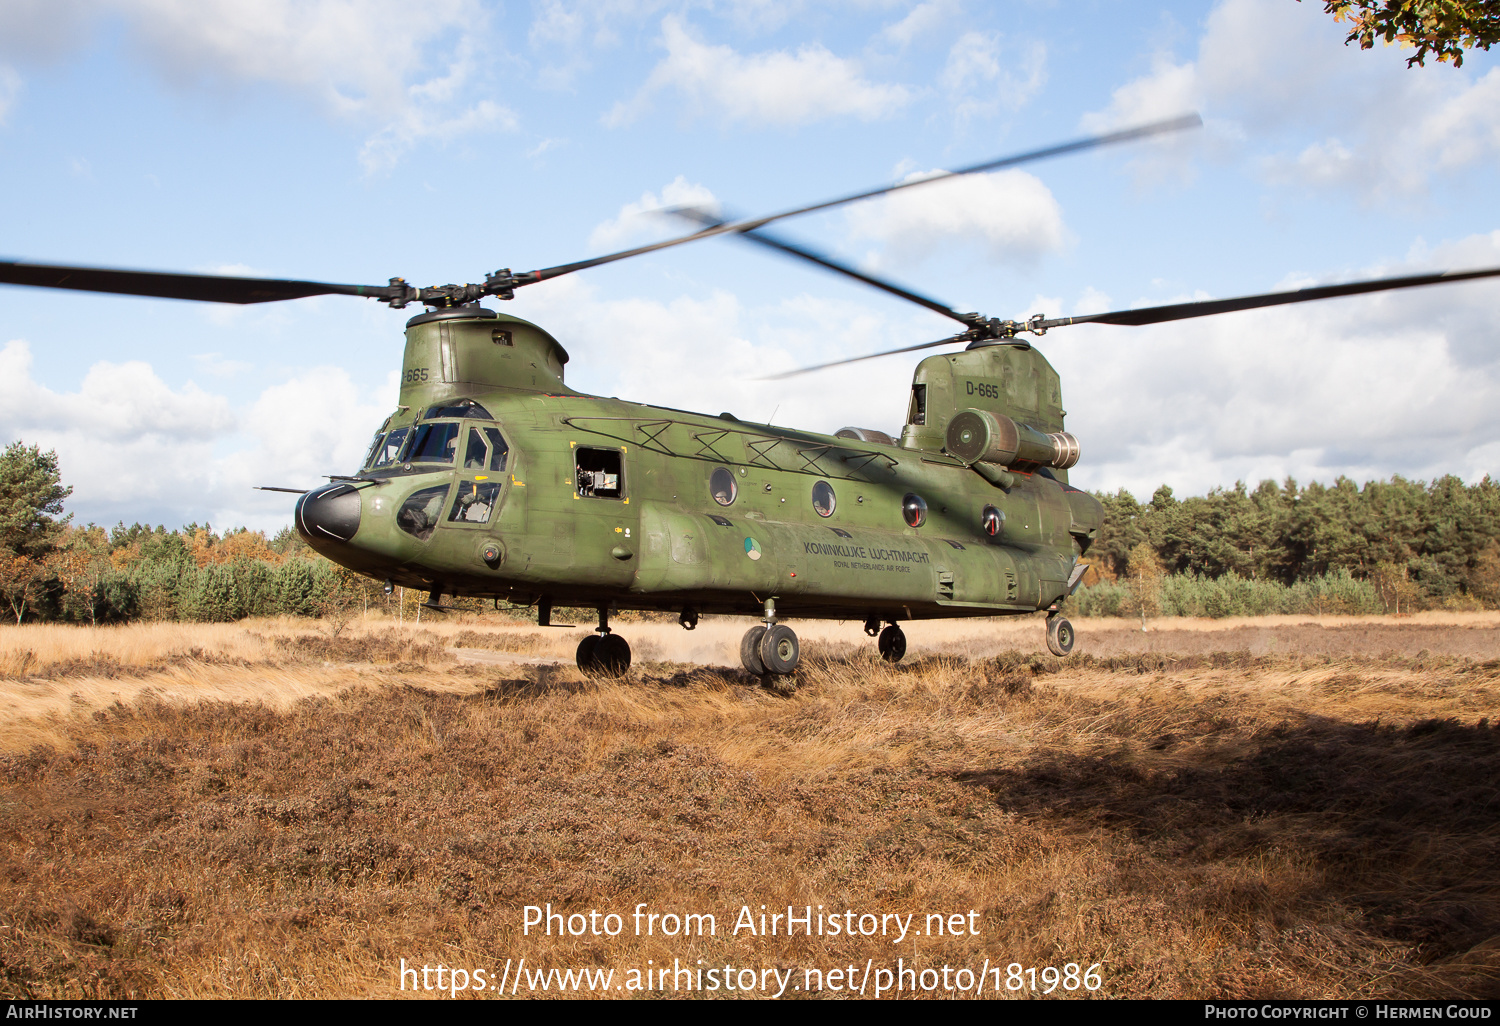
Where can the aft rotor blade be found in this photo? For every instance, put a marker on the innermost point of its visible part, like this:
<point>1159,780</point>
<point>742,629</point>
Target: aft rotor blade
<point>962,337</point>
<point>1075,146</point>
<point>207,288</point>
<point>806,253</point>
<point>1208,307</point>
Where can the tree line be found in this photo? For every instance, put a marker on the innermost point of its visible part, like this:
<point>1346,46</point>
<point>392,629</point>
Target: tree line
<point>1400,545</point>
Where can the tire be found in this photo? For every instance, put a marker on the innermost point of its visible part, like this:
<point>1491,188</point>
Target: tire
<point>779,651</point>
<point>750,651</point>
<point>892,644</point>
<point>613,655</point>
<point>1060,636</point>
<point>588,653</point>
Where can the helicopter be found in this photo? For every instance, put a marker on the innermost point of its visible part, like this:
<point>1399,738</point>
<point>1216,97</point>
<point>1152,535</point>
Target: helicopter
<point>493,478</point>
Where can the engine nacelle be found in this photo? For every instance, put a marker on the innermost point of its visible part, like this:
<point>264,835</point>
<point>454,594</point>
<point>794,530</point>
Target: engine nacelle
<point>978,436</point>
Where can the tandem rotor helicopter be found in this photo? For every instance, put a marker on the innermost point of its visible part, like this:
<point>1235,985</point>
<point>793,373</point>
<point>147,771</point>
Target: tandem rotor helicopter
<point>493,478</point>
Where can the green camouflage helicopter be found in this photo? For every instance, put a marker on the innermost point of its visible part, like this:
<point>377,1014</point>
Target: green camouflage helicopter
<point>493,478</point>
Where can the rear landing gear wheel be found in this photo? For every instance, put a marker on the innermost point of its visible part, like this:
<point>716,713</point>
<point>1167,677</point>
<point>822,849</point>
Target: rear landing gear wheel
<point>892,644</point>
<point>1059,636</point>
<point>612,657</point>
<point>779,651</point>
<point>588,650</point>
<point>750,651</point>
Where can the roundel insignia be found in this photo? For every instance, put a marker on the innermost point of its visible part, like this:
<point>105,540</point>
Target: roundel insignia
<point>752,548</point>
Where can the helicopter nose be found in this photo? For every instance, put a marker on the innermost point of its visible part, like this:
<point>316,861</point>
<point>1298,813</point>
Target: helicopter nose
<point>329,512</point>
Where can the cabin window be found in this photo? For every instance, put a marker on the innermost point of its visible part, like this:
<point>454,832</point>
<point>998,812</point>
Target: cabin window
<point>992,520</point>
<point>419,514</point>
<point>600,473</point>
<point>722,486</point>
<point>918,412</point>
<point>914,510</point>
<point>390,452</point>
<point>823,500</point>
<point>476,501</point>
<point>434,443</point>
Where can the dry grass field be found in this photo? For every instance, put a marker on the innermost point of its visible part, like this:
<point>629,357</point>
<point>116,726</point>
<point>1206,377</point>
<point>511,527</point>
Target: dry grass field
<point>1279,807</point>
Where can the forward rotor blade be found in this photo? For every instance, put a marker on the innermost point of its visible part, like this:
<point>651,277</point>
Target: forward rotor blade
<point>164,285</point>
<point>961,337</point>
<point>806,253</point>
<point>1208,307</point>
<point>1077,145</point>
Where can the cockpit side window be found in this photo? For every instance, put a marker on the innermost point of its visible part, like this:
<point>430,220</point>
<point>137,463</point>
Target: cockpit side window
<point>434,443</point>
<point>476,455</point>
<point>476,501</point>
<point>486,449</point>
<point>420,513</point>
<point>389,452</point>
<point>499,451</point>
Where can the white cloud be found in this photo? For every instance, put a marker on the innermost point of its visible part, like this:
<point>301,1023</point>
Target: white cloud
<point>1401,382</point>
<point>385,148</point>
<point>315,424</point>
<point>641,218</point>
<point>129,444</point>
<point>377,62</point>
<point>544,146</point>
<point>922,19</point>
<point>709,353</point>
<point>344,52</point>
<point>124,434</point>
<point>1011,213</point>
<point>981,79</point>
<point>1168,90</point>
<point>41,30</point>
<point>778,87</point>
<point>1330,116</point>
<point>556,24</point>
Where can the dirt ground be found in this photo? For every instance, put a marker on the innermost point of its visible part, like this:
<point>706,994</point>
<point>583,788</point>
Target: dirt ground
<point>1292,806</point>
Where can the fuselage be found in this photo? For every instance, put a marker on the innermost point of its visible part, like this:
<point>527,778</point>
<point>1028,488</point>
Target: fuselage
<point>493,479</point>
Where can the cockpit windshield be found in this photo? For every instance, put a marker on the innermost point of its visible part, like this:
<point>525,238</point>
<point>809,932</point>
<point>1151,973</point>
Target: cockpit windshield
<point>435,442</point>
<point>387,448</point>
<point>482,448</point>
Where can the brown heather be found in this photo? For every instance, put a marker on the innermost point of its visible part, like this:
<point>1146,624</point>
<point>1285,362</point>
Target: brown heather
<point>1272,808</point>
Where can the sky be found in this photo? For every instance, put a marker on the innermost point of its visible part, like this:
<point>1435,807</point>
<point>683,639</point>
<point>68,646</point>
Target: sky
<point>437,140</point>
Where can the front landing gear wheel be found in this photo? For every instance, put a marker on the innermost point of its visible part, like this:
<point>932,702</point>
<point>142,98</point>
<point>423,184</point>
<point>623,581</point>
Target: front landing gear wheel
<point>750,651</point>
<point>612,657</point>
<point>588,650</point>
<point>1059,636</point>
<point>892,644</point>
<point>779,651</point>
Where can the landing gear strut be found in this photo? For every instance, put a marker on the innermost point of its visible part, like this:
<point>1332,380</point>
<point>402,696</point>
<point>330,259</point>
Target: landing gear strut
<point>772,648</point>
<point>604,653</point>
